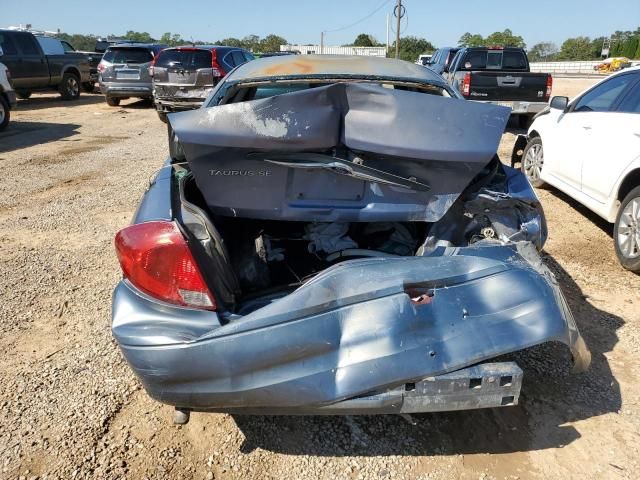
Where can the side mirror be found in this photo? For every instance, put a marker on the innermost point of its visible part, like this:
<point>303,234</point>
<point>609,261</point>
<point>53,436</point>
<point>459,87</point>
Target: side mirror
<point>1,52</point>
<point>559,103</point>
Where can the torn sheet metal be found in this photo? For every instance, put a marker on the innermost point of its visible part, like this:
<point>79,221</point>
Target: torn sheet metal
<point>351,330</point>
<point>442,142</point>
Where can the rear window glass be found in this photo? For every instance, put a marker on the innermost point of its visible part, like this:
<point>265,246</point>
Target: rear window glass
<point>493,60</point>
<point>7,45</point>
<point>191,59</point>
<point>128,55</point>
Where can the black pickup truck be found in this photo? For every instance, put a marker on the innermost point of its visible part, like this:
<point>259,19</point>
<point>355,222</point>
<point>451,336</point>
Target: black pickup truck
<point>500,76</point>
<point>32,69</point>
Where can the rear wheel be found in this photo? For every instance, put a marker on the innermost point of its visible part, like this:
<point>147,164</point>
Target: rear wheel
<point>626,231</point>
<point>162,116</point>
<point>88,87</point>
<point>69,87</point>
<point>22,94</point>
<point>113,102</point>
<point>4,113</point>
<point>532,161</point>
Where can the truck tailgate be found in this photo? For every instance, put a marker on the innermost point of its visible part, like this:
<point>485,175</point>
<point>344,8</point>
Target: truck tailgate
<point>497,86</point>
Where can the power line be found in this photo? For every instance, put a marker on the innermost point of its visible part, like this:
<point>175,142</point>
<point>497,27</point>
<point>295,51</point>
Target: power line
<point>361,20</point>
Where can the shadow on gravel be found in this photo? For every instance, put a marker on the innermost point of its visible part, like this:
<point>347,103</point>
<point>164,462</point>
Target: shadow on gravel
<point>551,398</point>
<point>597,220</point>
<point>47,101</point>
<point>26,134</point>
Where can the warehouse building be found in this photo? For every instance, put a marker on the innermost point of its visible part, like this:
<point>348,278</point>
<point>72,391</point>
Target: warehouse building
<point>326,50</point>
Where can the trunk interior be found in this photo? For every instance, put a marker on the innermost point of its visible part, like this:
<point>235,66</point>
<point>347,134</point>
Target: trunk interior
<point>258,260</point>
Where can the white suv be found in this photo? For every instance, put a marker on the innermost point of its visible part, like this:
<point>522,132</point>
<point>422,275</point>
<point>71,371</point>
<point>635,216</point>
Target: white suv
<point>590,149</point>
<point>7,96</point>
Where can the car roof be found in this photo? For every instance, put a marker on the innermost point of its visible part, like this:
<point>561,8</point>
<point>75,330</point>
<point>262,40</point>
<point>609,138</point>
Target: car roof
<point>296,66</point>
<point>204,47</point>
<point>138,45</point>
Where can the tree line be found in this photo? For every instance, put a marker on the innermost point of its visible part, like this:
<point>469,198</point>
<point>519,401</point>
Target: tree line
<point>623,44</point>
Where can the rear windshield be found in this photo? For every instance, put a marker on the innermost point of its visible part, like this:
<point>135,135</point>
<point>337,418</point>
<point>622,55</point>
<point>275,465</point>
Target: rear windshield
<point>128,55</point>
<point>493,60</point>
<point>191,59</point>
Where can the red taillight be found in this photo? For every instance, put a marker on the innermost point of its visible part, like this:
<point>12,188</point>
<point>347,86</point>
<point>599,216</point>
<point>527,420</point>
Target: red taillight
<point>466,84</point>
<point>155,257</point>
<point>547,94</point>
<point>217,70</point>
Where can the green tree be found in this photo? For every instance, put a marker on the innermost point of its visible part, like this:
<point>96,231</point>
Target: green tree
<point>230,42</point>
<point>138,36</point>
<point>505,38</point>
<point>596,47</point>
<point>271,43</point>
<point>578,48</point>
<point>84,43</point>
<point>411,47</point>
<point>630,47</point>
<point>471,40</point>
<point>363,40</point>
<point>172,39</point>
<point>544,51</point>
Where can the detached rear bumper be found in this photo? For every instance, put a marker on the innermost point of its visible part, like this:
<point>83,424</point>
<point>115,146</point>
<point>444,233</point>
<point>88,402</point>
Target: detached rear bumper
<point>169,105</point>
<point>352,341</point>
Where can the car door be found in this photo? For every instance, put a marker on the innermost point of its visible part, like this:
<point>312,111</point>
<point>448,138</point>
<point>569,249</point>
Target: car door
<point>613,142</point>
<point>32,70</point>
<point>573,139</point>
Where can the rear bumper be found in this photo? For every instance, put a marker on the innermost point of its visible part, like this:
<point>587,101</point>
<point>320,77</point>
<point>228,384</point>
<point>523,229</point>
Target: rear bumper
<point>169,105</point>
<point>121,89</point>
<point>353,338</point>
<point>521,108</point>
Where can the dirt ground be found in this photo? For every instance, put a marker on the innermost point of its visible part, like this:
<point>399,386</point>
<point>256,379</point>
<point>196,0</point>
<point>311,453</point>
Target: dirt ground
<point>70,407</point>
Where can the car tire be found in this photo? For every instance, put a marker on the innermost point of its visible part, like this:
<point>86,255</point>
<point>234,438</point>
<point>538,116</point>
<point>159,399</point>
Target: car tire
<point>23,95</point>
<point>88,87</point>
<point>533,161</point>
<point>163,116</point>
<point>69,88</point>
<point>5,113</point>
<point>113,102</point>
<point>626,231</point>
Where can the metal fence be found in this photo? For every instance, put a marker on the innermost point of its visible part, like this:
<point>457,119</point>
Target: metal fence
<point>576,68</point>
<point>327,50</point>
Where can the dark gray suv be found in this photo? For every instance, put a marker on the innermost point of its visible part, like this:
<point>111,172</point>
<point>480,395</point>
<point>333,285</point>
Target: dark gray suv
<point>124,71</point>
<point>184,76</point>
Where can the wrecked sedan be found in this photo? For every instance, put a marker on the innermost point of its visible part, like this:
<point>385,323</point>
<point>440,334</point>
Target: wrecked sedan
<point>336,235</point>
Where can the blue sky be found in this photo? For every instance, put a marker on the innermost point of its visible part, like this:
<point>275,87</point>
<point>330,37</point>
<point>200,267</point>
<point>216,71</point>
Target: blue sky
<point>301,21</point>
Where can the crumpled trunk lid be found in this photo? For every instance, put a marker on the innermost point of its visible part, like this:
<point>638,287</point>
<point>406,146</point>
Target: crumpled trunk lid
<point>435,143</point>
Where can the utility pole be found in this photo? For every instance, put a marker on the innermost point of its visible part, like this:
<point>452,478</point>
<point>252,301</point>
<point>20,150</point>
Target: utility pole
<point>321,43</point>
<point>398,13</point>
<point>387,34</point>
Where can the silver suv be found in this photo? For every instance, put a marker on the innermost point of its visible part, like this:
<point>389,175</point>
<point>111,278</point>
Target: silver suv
<point>124,71</point>
<point>184,76</point>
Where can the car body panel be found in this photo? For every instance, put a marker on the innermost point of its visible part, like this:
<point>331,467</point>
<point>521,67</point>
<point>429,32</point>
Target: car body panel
<point>229,149</point>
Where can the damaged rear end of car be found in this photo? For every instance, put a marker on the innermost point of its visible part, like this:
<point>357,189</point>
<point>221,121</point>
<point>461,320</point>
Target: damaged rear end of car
<point>343,249</point>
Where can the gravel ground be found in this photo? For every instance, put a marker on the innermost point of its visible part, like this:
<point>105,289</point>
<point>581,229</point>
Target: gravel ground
<point>71,408</point>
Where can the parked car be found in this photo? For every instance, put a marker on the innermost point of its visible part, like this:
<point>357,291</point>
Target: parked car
<point>424,60</point>
<point>441,59</point>
<point>32,69</point>
<point>590,149</point>
<point>123,71</point>
<point>325,239</point>
<point>7,95</point>
<point>501,76</point>
<point>184,76</point>
<point>55,46</point>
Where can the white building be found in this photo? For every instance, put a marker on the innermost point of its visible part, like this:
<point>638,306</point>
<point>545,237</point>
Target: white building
<point>315,50</point>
